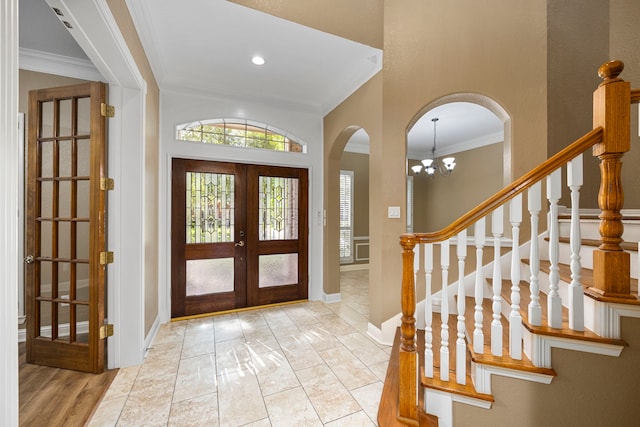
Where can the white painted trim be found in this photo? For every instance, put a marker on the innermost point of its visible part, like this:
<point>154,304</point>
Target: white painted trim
<point>482,374</point>
<point>10,258</point>
<point>63,330</point>
<point>97,33</point>
<point>151,335</point>
<point>331,298</point>
<point>354,267</point>
<point>440,404</point>
<point>50,63</point>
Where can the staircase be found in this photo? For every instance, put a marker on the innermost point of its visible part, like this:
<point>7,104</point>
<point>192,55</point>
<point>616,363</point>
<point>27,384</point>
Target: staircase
<point>567,287</point>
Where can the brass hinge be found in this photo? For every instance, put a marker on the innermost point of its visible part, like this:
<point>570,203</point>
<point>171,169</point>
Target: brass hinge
<point>107,184</point>
<point>106,258</point>
<point>106,331</point>
<point>107,110</point>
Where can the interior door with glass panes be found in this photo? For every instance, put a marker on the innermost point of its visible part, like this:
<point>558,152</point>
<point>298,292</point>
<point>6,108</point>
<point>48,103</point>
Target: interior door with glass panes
<point>239,236</point>
<point>66,227</point>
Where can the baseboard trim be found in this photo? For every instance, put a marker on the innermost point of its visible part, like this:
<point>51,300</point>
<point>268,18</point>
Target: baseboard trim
<point>331,298</point>
<point>354,267</point>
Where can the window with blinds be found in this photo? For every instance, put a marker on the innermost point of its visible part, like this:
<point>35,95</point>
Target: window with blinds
<point>346,217</point>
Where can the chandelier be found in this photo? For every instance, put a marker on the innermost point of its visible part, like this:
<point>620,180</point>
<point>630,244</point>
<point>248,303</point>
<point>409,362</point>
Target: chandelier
<point>431,165</point>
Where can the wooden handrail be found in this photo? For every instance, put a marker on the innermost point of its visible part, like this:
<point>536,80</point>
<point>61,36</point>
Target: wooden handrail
<point>635,96</point>
<point>579,146</point>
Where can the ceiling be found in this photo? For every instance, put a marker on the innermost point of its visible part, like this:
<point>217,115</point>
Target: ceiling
<point>206,46</point>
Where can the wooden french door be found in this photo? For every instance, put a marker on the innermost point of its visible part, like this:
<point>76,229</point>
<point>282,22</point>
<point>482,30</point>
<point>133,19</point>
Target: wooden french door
<point>65,227</point>
<point>239,236</point>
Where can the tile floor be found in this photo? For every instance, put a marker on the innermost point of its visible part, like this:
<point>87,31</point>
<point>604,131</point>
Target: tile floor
<point>306,364</point>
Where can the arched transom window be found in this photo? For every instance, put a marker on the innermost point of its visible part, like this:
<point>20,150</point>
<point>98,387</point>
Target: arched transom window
<point>239,133</point>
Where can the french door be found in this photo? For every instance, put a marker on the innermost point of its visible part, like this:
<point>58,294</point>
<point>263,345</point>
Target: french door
<point>239,236</point>
<point>65,227</point>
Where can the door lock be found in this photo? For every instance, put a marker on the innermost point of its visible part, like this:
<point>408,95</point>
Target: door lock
<point>29,259</point>
<point>240,243</point>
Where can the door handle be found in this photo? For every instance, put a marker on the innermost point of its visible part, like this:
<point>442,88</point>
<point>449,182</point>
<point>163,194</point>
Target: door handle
<point>240,243</point>
<point>29,259</point>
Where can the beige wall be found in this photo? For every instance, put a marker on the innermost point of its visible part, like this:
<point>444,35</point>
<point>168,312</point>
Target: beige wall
<point>359,164</point>
<point>433,49</point>
<point>357,20</point>
<point>624,39</point>
<point>363,110</point>
<point>438,201</point>
<point>151,161</point>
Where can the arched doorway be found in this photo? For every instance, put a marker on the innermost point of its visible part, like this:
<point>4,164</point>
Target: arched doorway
<point>475,131</point>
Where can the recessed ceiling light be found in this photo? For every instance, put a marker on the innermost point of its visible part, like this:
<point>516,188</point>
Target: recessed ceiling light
<point>258,60</point>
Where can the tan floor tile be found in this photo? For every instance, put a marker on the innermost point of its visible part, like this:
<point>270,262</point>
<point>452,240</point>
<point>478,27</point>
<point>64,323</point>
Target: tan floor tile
<point>368,397</point>
<point>299,352</point>
<point>232,355</point>
<point>274,372</point>
<point>239,399</point>
<point>348,368</point>
<point>108,412</point>
<point>198,348</point>
<point>359,419</point>
<point>291,408</point>
<point>327,394</point>
<point>201,411</point>
<point>364,348</point>
<point>196,377</point>
<point>122,383</point>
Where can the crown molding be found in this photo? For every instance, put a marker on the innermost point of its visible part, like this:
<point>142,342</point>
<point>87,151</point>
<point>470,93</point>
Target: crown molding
<point>51,63</point>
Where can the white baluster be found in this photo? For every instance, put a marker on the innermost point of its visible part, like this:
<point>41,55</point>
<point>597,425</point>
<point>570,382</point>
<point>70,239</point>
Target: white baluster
<point>576,293</point>
<point>515,320</point>
<point>444,313</point>
<point>534,205</point>
<point>461,347</point>
<point>497,228</point>
<point>428,312</point>
<point>554,303</point>
<point>478,334</point>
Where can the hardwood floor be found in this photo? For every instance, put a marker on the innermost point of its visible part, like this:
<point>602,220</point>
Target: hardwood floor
<point>58,397</point>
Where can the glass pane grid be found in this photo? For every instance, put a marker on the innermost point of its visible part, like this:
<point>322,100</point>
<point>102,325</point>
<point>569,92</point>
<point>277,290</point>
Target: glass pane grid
<point>278,208</point>
<point>210,201</point>
<point>237,134</point>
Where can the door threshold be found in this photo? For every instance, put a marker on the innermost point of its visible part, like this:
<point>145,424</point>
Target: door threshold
<point>237,310</point>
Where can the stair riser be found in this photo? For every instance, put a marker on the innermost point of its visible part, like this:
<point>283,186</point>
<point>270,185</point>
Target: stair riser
<point>590,229</point>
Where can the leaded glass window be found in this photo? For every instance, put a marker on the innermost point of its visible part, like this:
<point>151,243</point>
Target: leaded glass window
<point>210,207</point>
<point>239,133</point>
<point>278,208</point>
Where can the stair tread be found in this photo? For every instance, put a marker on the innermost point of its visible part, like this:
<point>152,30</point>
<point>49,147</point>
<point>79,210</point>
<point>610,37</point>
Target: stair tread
<point>565,331</point>
<point>505,361</point>
<point>627,246</point>
<point>436,383</point>
<point>586,279</point>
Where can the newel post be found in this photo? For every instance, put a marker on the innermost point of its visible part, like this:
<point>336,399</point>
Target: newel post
<point>612,111</point>
<point>407,399</point>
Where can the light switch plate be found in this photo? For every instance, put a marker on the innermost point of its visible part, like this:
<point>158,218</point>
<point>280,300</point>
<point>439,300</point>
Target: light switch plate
<point>394,212</point>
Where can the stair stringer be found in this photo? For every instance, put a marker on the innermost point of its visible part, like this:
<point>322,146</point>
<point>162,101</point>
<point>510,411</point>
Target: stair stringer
<point>482,373</point>
<point>538,347</point>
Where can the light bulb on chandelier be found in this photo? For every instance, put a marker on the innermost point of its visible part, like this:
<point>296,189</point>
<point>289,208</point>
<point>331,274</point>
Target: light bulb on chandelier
<point>444,166</point>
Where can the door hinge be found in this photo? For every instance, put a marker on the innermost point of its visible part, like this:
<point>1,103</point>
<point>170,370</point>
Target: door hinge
<point>106,258</point>
<point>107,110</point>
<point>107,184</point>
<point>106,331</point>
